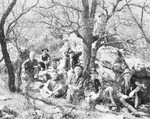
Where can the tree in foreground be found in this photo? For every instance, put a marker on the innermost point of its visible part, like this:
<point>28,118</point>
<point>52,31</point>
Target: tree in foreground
<point>11,32</point>
<point>4,46</point>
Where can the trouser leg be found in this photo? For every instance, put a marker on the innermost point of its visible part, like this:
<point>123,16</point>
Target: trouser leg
<point>128,106</point>
<point>110,90</point>
<point>44,93</point>
<point>69,95</point>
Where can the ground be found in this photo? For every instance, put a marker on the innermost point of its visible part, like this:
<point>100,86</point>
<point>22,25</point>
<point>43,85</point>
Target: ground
<point>35,107</point>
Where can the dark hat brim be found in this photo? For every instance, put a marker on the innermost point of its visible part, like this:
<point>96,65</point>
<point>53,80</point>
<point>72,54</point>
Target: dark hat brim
<point>45,49</point>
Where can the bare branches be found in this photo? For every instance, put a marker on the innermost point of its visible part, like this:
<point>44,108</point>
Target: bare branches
<point>116,9</point>
<point>65,6</point>
<point>14,22</point>
<point>140,24</point>
<point>61,17</point>
<point>7,12</point>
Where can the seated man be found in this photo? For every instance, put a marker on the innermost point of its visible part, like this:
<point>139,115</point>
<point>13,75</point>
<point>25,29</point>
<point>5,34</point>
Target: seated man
<point>139,91</point>
<point>54,67</point>
<point>76,84</point>
<point>45,59</point>
<point>30,69</point>
<point>122,94</point>
<point>54,87</point>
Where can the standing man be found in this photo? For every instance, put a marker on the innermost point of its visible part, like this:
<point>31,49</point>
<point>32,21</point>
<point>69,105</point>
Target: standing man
<point>30,71</point>
<point>76,84</point>
<point>99,27</point>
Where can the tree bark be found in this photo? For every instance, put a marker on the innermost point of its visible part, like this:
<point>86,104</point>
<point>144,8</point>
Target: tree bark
<point>8,64</point>
<point>87,34</point>
<point>3,43</point>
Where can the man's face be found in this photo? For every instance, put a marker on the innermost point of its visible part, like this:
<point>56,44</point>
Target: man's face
<point>54,65</point>
<point>54,75</point>
<point>45,51</point>
<point>32,56</point>
<point>78,70</point>
<point>93,76</point>
<point>127,78</point>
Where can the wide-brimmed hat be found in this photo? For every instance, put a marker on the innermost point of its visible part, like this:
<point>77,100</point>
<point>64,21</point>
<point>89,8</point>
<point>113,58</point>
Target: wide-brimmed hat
<point>45,49</point>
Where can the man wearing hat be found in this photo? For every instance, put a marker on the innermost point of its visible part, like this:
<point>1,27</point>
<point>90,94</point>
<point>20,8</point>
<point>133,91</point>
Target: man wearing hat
<point>45,59</point>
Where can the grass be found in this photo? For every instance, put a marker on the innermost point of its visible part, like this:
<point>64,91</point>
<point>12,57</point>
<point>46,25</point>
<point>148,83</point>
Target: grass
<point>56,108</point>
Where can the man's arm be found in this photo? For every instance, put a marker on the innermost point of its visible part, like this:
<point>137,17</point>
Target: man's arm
<point>46,87</point>
<point>49,59</point>
<point>137,89</point>
<point>24,65</point>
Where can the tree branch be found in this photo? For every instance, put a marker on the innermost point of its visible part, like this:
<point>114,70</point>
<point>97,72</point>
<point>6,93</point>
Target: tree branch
<point>140,26</point>
<point>115,9</point>
<point>66,6</point>
<point>14,22</point>
<point>7,12</point>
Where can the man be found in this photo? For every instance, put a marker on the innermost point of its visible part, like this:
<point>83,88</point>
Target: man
<point>139,91</point>
<point>120,64</point>
<point>92,91</point>
<point>54,87</point>
<point>76,84</point>
<point>45,59</point>
<point>124,91</point>
<point>120,67</point>
<point>30,70</point>
<point>99,27</point>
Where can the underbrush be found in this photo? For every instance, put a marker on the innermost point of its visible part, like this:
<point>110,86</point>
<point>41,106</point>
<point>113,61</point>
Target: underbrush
<point>3,82</point>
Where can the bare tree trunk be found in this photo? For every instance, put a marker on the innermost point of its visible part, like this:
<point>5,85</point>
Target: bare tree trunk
<point>86,57</point>
<point>3,43</point>
<point>87,31</point>
<point>8,64</point>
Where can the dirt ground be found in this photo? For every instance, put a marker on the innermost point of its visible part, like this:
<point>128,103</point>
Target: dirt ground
<point>37,108</point>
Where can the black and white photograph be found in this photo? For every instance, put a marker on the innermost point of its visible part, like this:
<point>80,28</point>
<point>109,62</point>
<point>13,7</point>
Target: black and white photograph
<point>74,59</point>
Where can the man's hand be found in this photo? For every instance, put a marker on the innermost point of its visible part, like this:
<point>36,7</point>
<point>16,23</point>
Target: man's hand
<point>125,96</point>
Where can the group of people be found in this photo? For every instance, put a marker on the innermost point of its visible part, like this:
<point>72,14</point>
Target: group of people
<point>55,78</point>
<point>72,82</point>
